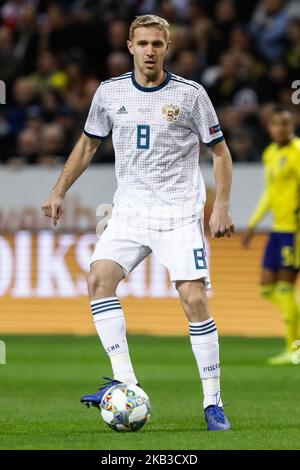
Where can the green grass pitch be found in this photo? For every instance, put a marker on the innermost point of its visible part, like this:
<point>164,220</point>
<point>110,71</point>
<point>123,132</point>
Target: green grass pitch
<point>45,376</point>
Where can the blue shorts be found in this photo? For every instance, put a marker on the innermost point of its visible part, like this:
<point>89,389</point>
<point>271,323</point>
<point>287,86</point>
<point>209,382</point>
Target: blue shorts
<point>281,252</point>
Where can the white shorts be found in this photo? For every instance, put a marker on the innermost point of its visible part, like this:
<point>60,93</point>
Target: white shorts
<point>181,250</point>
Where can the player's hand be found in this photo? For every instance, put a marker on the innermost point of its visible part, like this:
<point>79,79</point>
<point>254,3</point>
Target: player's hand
<point>52,208</point>
<point>247,237</point>
<point>221,223</point>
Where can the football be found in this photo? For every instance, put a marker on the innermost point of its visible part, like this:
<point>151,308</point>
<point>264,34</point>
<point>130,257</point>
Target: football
<point>125,408</point>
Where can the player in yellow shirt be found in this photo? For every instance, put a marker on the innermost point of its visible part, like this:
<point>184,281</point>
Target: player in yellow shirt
<point>281,197</point>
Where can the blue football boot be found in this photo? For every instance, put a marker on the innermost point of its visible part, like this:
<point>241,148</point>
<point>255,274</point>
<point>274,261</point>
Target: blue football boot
<point>95,399</point>
<point>216,419</point>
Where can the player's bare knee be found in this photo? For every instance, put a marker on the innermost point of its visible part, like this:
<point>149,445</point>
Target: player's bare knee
<point>100,286</point>
<point>196,303</point>
<point>104,278</point>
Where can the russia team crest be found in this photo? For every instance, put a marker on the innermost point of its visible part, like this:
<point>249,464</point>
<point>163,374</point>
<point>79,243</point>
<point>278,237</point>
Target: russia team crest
<point>170,112</point>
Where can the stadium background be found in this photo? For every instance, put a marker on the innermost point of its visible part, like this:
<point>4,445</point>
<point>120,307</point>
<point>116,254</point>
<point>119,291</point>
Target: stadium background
<point>53,55</point>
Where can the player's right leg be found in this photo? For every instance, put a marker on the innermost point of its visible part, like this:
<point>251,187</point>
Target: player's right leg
<point>268,285</point>
<point>269,270</point>
<point>110,324</point>
<point>113,258</point>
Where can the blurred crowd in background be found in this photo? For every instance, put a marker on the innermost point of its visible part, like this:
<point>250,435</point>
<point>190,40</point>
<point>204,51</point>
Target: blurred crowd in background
<point>54,55</point>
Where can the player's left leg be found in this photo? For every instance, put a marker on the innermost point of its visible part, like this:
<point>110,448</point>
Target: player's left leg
<point>183,252</point>
<point>205,346</point>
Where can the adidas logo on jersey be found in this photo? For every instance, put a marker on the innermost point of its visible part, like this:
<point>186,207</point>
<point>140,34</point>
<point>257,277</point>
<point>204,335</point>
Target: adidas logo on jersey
<point>122,110</point>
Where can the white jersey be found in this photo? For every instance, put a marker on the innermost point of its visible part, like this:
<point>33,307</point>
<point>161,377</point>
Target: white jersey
<point>155,134</point>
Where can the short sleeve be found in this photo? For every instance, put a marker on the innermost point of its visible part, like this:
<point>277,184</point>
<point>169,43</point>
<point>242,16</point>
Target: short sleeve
<point>205,120</point>
<point>98,124</point>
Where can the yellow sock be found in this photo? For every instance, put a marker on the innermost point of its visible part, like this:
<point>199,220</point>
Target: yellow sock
<point>268,291</point>
<point>285,297</point>
<point>297,299</point>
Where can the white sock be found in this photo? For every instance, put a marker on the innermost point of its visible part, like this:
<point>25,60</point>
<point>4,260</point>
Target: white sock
<point>205,346</point>
<point>111,327</point>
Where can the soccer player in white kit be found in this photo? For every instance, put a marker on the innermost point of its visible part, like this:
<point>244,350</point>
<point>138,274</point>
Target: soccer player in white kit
<point>157,120</point>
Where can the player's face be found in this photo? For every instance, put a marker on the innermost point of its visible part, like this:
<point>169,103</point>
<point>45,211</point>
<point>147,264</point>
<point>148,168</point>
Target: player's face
<point>148,47</point>
<point>281,127</point>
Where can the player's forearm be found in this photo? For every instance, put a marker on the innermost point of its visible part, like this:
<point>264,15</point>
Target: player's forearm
<point>262,208</point>
<point>222,173</point>
<point>77,162</point>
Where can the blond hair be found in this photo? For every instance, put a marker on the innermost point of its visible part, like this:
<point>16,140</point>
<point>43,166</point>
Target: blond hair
<point>149,20</point>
